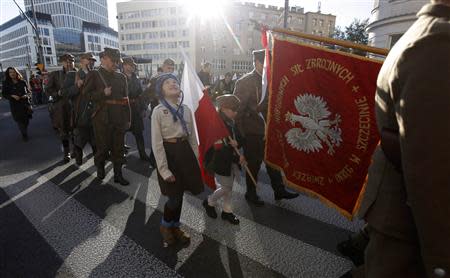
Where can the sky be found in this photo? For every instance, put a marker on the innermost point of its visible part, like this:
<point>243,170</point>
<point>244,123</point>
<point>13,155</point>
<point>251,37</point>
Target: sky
<point>345,10</point>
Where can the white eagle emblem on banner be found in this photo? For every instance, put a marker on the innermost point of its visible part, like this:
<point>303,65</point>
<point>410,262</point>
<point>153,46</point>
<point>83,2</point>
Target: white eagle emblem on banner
<point>315,126</point>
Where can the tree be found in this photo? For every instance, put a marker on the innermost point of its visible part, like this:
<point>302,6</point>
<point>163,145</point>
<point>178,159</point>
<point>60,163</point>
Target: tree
<point>355,32</point>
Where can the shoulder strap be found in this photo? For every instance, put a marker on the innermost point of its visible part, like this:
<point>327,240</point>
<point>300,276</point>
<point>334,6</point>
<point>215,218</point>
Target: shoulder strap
<point>102,78</point>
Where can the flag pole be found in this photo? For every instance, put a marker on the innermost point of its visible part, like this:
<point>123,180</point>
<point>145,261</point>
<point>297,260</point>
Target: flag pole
<point>347,44</point>
<point>245,166</point>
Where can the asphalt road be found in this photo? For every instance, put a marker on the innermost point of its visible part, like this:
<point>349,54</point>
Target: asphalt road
<point>58,220</point>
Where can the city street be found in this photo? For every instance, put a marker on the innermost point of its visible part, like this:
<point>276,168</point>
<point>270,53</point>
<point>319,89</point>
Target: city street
<point>58,220</point>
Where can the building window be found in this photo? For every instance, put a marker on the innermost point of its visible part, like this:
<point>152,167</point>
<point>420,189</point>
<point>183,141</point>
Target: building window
<point>202,49</point>
<point>172,45</point>
<point>314,22</point>
<point>241,66</point>
<point>172,22</point>
<point>185,33</point>
<point>393,39</point>
<point>219,64</point>
<point>163,34</point>
<point>171,34</point>
<point>321,23</point>
<point>173,10</point>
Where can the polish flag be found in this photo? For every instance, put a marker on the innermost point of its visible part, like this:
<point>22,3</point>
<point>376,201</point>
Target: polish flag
<point>209,127</point>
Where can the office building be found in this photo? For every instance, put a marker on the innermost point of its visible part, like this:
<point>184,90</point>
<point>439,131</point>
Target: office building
<point>390,20</point>
<point>18,47</point>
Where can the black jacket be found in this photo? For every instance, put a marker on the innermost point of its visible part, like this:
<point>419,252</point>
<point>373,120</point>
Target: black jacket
<point>20,109</point>
<point>219,161</point>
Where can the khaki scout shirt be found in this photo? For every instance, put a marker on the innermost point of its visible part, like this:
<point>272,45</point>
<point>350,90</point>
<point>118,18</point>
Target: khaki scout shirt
<point>163,128</point>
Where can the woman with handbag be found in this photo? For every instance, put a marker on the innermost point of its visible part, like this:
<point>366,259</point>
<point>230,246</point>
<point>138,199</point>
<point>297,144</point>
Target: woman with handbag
<point>15,90</point>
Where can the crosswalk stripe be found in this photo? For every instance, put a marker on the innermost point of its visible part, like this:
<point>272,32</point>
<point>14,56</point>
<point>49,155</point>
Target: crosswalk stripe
<point>89,245</point>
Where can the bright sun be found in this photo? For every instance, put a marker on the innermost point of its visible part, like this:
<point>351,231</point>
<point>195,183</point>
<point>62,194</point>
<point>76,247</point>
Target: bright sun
<point>204,9</point>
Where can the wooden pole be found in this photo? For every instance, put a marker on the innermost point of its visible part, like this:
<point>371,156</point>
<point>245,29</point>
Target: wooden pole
<point>348,44</point>
<point>245,166</point>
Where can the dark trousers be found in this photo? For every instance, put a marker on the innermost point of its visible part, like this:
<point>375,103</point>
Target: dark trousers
<point>172,210</point>
<point>254,153</point>
<point>82,136</point>
<point>140,143</point>
<point>23,127</point>
<point>108,138</point>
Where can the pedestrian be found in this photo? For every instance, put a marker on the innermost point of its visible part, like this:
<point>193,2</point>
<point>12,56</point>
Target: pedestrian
<point>151,96</point>
<point>251,120</point>
<point>175,147</point>
<point>407,197</point>
<point>15,90</point>
<point>205,74</point>
<point>222,87</point>
<point>137,105</point>
<point>36,89</point>
<point>61,88</point>
<point>108,90</point>
<point>223,161</point>
<point>83,131</point>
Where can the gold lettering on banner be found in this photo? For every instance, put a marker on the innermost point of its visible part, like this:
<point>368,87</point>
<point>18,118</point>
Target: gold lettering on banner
<point>364,124</point>
<point>329,65</point>
<point>355,159</point>
<point>297,69</point>
<point>303,177</point>
<point>279,98</point>
<point>344,174</point>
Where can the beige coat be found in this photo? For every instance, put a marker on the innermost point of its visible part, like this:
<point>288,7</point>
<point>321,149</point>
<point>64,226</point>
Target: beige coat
<point>413,97</point>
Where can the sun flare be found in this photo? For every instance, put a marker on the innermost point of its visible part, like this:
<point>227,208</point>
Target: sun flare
<point>204,9</point>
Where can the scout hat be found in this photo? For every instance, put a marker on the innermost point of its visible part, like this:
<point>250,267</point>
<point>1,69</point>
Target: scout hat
<point>160,82</point>
<point>228,101</point>
<point>88,56</point>
<point>112,53</point>
<point>129,61</point>
<point>67,57</point>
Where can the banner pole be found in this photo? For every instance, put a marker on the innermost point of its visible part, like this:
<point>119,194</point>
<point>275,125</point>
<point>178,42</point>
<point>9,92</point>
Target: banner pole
<point>347,44</point>
<point>245,166</point>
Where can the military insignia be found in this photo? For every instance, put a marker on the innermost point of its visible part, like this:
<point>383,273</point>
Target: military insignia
<point>166,112</point>
<point>315,126</point>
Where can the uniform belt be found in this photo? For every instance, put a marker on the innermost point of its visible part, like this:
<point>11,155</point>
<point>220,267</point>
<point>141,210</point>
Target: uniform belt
<point>175,140</point>
<point>123,101</point>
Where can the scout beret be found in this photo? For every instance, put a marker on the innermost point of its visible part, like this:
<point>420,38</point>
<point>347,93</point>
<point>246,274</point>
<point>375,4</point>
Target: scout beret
<point>160,82</point>
<point>112,53</point>
<point>88,56</point>
<point>67,57</point>
<point>228,101</point>
<point>129,61</point>
<point>169,61</point>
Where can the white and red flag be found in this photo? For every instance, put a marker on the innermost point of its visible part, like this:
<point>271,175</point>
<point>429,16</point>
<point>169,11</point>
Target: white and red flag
<point>208,125</point>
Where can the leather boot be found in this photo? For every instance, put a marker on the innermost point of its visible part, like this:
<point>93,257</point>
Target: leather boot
<point>101,171</point>
<point>78,155</point>
<point>118,178</point>
<point>167,235</point>
<point>180,235</point>
<point>284,194</point>
<point>66,157</point>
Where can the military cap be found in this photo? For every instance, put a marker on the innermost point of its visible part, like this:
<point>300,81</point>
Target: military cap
<point>88,56</point>
<point>67,57</point>
<point>112,53</point>
<point>259,55</point>
<point>169,61</point>
<point>228,101</point>
<point>129,61</point>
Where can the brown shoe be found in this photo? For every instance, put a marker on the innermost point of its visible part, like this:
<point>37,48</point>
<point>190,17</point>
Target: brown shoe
<point>167,235</point>
<point>180,235</point>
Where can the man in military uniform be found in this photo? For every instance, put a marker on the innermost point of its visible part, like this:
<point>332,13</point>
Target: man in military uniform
<point>108,90</point>
<point>222,87</point>
<point>83,108</point>
<point>61,86</point>
<point>407,198</point>
<point>137,105</point>
<point>251,123</point>
<point>205,74</point>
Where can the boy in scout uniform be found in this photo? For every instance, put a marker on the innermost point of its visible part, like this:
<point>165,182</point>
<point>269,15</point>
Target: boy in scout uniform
<point>108,90</point>
<point>407,198</point>
<point>61,87</point>
<point>252,127</point>
<point>83,107</point>
<point>137,105</point>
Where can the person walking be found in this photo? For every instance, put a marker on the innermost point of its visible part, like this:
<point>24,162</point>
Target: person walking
<point>251,123</point>
<point>407,197</point>
<point>137,105</point>
<point>108,89</point>
<point>224,162</point>
<point>61,88</point>
<point>83,131</point>
<point>15,90</point>
<point>222,87</point>
<point>175,147</point>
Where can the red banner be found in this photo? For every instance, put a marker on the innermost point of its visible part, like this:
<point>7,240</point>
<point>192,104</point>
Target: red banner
<point>321,126</point>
